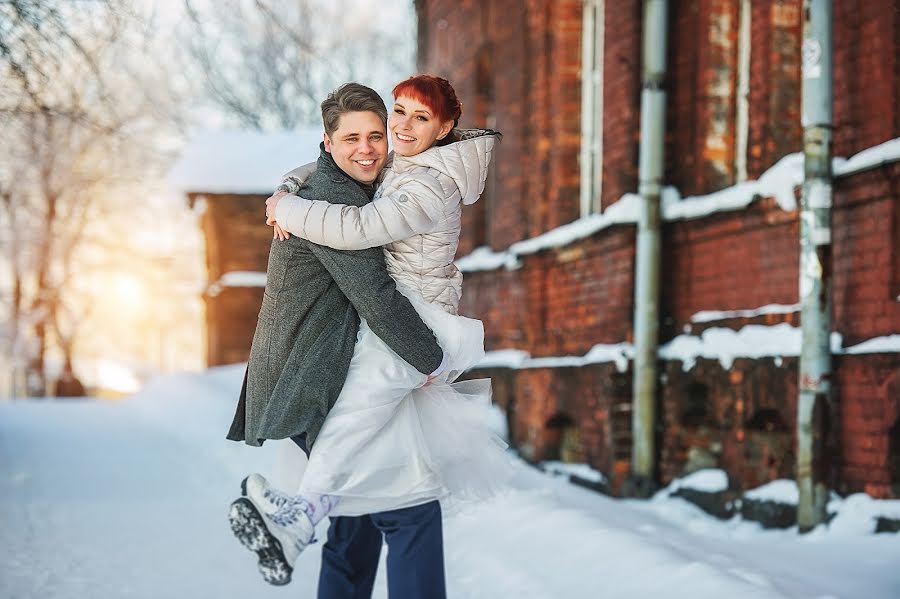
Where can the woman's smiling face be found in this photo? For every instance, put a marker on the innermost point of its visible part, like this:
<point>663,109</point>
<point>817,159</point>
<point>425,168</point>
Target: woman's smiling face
<point>414,127</point>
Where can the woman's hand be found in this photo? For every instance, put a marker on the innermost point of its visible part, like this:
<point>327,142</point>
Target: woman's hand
<point>279,233</point>
<point>271,206</point>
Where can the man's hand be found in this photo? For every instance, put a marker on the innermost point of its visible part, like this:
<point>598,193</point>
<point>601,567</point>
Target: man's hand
<point>271,205</point>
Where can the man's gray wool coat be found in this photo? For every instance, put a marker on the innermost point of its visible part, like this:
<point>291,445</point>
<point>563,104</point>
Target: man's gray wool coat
<point>309,320</point>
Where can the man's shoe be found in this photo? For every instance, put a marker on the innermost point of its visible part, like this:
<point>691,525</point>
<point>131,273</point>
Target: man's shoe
<point>267,497</point>
<point>277,539</point>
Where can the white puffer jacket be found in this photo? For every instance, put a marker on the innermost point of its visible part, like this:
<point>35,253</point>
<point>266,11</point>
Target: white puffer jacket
<point>415,215</point>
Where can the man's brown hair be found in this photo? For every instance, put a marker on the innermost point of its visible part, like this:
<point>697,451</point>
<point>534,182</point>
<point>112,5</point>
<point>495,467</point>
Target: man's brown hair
<point>351,97</point>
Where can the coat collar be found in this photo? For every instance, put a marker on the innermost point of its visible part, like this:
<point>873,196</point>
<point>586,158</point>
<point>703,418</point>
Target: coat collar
<point>328,167</point>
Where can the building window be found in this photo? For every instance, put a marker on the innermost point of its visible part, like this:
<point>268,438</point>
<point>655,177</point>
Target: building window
<point>591,160</point>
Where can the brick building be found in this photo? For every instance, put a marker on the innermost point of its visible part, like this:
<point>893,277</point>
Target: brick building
<point>227,177</point>
<point>549,252</point>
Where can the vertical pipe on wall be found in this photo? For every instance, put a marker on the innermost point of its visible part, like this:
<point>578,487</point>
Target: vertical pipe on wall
<point>646,301</point>
<point>815,403</point>
<point>586,162</point>
<point>742,125</point>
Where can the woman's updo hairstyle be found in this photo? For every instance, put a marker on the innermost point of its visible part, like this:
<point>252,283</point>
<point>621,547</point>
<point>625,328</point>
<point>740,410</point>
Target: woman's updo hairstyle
<point>434,92</point>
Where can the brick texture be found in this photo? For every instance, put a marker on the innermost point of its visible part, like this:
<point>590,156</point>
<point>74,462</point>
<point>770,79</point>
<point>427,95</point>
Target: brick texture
<point>516,67</point>
<point>775,38</point>
<point>563,301</point>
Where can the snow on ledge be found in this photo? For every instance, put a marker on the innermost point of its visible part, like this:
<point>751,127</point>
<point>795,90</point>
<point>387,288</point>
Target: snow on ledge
<point>708,480</point>
<point>780,491</point>
<point>872,157</point>
<point>483,258</point>
<point>725,345</point>
<point>718,343</point>
<point>876,345</point>
<point>626,210</point>
<point>779,182</point>
<point>713,315</point>
<point>503,358</point>
<point>620,353</point>
<point>237,278</point>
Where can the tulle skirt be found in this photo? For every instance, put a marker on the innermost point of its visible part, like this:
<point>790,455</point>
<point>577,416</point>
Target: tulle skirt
<point>390,443</point>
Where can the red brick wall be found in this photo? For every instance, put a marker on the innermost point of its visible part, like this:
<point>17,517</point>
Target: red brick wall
<point>869,391</point>
<point>702,88</point>
<point>866,73</point>
<point>866,254</point>
<point>729,261</point>
<point>775,38</point>
<point>563,301</point>
<point>621,98</point>
<point>515,66</point>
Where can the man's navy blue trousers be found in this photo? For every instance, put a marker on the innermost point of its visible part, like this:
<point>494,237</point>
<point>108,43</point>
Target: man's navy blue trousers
<point>415,560</point>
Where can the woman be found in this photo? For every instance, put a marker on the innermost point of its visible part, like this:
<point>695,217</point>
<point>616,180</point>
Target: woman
<point>430,440</point>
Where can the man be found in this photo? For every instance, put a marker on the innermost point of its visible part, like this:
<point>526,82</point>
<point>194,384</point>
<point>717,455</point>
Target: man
<point>299,360</point>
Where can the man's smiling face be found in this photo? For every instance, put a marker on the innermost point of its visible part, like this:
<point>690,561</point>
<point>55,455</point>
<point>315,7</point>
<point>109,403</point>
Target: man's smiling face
<point>359,145</point>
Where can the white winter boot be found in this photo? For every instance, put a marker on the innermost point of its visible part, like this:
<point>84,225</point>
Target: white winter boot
<point>267,497</point>
<point>277,538</point>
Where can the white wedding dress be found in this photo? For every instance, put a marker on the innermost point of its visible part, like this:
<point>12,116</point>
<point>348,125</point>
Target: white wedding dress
<point>389,443</point>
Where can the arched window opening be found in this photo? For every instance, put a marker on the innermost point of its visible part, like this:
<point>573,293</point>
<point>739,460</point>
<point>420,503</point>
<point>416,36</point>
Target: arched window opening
<point>767,420</point>
<point>697,411</point>
<point>894,457</point>
<point>563,440</point>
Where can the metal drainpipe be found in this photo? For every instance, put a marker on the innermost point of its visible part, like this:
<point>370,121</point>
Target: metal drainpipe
<point>814,406</point>
<point>646,307</point>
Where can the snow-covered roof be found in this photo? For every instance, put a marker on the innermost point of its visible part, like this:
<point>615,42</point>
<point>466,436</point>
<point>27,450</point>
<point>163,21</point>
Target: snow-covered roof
<point>242,161</point>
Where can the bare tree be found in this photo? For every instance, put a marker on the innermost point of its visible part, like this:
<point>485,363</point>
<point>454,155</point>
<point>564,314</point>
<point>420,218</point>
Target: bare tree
<point>69,137</point>
<point>268,64</point>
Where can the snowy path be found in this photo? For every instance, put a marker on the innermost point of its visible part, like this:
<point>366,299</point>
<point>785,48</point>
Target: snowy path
<point>127,500</point>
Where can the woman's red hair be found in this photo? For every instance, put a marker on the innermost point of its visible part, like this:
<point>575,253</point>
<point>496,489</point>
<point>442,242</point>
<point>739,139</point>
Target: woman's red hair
<point>434,92</point>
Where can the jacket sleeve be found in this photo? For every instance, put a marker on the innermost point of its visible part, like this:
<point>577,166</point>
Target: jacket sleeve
<point>362,277</point>
<point>292,181</point>
<point>415,207</point>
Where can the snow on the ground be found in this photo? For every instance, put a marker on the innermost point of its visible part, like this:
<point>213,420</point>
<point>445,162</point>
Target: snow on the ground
<point>583,471</point>
<point>128,499</point>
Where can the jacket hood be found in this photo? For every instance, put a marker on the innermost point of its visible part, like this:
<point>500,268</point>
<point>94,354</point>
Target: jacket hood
<point>464,158</point>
